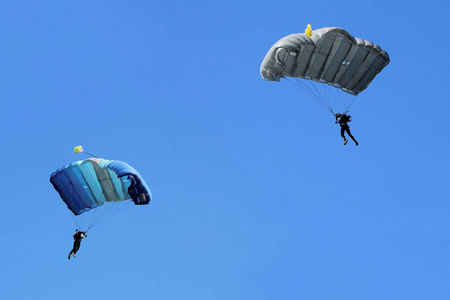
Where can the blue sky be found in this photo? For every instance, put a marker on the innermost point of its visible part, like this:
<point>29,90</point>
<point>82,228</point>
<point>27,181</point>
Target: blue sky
<point>255,197</point>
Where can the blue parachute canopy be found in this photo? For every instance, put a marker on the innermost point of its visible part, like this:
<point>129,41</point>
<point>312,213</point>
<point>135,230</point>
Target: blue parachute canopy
<point>86,184</point>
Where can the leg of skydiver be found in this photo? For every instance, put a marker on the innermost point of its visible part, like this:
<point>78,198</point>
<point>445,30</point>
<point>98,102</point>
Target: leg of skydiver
<point>350,135</point>
<point>76,246</point>
<point>343,129</point>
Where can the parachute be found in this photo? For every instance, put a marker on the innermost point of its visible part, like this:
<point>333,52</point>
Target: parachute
<point>326,57</point>
<point>99,187</point>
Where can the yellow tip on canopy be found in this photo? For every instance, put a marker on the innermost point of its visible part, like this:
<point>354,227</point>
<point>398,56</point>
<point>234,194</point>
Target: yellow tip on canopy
<point>308,30</point>
<point>78,149</point>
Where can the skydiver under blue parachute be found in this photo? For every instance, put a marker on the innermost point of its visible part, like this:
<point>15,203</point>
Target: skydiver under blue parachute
<point>95,188</point>
<point>77,237</point>
<point>328,64</point>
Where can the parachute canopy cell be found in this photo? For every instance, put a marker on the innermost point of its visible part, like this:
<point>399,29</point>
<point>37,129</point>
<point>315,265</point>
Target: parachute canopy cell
<point>331,55</point>
<point>86,184</point>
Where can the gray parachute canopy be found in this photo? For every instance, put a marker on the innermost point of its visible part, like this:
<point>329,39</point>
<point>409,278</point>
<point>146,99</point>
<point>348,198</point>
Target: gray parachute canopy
<point>331,55</point>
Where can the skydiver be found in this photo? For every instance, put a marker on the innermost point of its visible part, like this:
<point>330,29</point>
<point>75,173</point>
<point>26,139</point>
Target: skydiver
<point>342,120</point>
<point>78,236</point>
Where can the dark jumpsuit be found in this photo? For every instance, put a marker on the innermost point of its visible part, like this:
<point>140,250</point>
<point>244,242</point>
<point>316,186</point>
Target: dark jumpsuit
<point>78,236</point>
<point>343,119</point>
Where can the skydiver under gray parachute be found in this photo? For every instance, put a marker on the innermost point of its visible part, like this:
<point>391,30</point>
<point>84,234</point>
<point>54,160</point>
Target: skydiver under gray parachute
<point>328,64</point>
<point>342,120</point>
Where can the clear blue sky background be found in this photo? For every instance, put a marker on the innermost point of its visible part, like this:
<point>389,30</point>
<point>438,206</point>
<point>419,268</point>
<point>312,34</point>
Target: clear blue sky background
<point>254,195</point>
